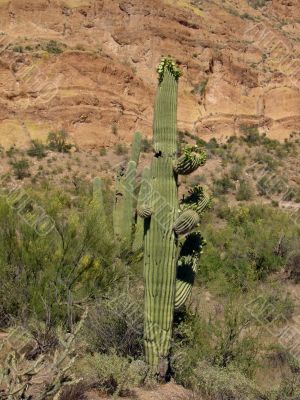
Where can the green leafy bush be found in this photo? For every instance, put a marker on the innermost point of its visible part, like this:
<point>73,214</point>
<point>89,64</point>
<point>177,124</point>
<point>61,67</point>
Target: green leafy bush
<point>68,262</point>
<point>223,185</point>
<point>37,149</point>
<point>53,47</point>
<point>250,134</point>
<point>58,141</point>
<point>111,373</point>
<point>245,191</point>
<point>21,168</point>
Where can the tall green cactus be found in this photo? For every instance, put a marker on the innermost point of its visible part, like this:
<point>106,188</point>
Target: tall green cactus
<point>163,225</point>
<point>160,248</point>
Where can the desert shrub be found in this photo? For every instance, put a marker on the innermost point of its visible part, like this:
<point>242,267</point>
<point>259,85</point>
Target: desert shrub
<point>120,149</point>
<point>267,160</point>
<point>240,247</point>
<point>58,141</point>
<point>222,384</point>
<point>212,144</point>
<point>248,16</point>
<point>200,88</point>
<point>271,306</point>
<point>74,392</point>
<point>114,128</point>
<point>12,151</point>
<point>236,171</point>
<point>257,3</point>
<point>146,145</point>
<point>21,168</point>
<point>18,49</point>
<point>245,191</point>
<point>293,265</point>
<point>61,265</point>
<point>54,47</point>
<point>37,149</point>
<point>103,152</point>
<point>289,389</point>
<point>116,323</point>
<point>223,185</point>
<point>220,340</point>
<point>111,373</point>
<point>250,134</point>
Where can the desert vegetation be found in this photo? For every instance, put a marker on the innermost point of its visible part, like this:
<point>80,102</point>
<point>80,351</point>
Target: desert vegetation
<point>74,320</point>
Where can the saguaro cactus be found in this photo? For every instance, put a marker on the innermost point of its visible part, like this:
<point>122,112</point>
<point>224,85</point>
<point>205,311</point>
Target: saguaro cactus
<point>165,220</point>
<point>125,196</point>
<point>160,247</point>
<point>166,227</point>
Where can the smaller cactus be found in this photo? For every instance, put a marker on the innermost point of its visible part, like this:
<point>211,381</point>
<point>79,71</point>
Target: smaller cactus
<point>191,159</point>
<point>143,211</point>
<point>124,207</point>
<point>187,221</point>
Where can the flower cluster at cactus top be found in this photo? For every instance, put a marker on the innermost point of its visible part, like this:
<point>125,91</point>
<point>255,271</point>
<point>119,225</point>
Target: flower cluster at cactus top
<point>167,63</point>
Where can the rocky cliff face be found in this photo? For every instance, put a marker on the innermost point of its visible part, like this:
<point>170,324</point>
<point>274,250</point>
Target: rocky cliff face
<point>88,66</point>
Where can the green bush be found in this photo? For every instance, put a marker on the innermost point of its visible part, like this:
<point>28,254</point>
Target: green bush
<point>21,168</point>
<point>250,134</point>
<point>68,262</point>
<point>266,159</point>
<point>58,141</point>
<point>257,3</point>
<point>120,149</point>
<point>37,149</point>
<point>236,171</point>
<point>53,47</point>
<point>103,152</point>
<point>245,191</point>
<point>111,373</point>
<point>220,341</point>
<point>240,246</point>
<point>223,185</point>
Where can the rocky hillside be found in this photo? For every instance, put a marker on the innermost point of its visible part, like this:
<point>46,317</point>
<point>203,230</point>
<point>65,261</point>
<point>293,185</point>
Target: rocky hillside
<point>88,66</point>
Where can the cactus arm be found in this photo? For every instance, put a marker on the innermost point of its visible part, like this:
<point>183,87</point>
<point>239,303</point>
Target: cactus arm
<point>136,147</point>
<point>124,205</point>
<point>190,161</point>
<point>187,266</point>
<point>143,210</point>
<point>187,221</point>
<point>184,283</point>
